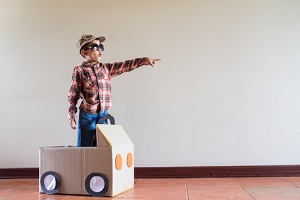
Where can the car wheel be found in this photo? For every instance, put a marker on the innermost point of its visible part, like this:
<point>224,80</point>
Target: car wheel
<point>50,182</point>
<point>96,184</point>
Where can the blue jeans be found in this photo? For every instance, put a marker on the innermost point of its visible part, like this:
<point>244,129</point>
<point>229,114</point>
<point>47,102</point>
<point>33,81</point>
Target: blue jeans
<point>87,122</point>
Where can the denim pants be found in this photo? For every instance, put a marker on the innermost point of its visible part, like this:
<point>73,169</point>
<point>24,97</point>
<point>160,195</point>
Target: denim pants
<point>87,127</point>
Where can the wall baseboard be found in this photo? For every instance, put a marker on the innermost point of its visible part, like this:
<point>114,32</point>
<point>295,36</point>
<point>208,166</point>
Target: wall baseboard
<point>218,171</point>
<point>19,173</point>
<point>182,172</point>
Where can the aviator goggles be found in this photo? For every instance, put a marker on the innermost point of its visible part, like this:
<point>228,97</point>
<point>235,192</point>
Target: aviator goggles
<point>96,47</point>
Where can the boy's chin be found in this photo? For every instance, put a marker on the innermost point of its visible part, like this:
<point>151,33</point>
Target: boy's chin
<point>95,60</point>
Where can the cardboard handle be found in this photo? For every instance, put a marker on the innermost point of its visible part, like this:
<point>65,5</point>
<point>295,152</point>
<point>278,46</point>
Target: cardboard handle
<point>106,117</point>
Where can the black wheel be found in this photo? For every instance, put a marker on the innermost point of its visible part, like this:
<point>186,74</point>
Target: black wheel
<point>96,184</point>
<point>50,182</point>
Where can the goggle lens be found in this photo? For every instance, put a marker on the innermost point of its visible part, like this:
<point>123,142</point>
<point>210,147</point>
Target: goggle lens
<point>96,47</point>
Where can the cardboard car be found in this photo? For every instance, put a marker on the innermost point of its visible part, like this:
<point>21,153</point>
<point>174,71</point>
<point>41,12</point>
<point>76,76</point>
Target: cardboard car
<point>104,170</point>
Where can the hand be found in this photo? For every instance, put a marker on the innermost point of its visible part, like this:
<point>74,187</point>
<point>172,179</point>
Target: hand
<point>152,62</point>
<point>73,123</point>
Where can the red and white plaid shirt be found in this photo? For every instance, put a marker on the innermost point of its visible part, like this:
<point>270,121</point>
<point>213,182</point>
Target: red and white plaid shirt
<point>92,84</point>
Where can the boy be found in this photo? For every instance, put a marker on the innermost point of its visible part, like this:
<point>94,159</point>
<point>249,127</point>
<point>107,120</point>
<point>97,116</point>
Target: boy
<point>91,83</point>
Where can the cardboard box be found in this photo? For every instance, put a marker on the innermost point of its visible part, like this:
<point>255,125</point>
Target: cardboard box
<point>105,170</point>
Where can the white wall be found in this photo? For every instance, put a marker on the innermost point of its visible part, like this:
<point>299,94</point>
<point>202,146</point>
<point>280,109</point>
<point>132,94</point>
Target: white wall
<point>226,92</point>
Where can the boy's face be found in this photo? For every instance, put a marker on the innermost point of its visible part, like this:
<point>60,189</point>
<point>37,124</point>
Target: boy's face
<point>92,55</point>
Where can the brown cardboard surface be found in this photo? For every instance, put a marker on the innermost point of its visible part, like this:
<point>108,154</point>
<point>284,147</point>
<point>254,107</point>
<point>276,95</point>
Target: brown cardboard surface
<point>65,160</point>
<point>97,160</point>
<point>75,164</point>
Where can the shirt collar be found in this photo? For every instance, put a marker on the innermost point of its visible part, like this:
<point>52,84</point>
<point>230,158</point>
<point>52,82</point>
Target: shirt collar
<point>88,64</point>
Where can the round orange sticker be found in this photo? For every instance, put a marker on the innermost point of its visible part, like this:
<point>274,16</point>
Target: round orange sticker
<point>129,160</point>
<point>119,162</point>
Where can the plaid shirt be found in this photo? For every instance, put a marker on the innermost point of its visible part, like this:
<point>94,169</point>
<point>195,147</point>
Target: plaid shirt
<point>92,84</point>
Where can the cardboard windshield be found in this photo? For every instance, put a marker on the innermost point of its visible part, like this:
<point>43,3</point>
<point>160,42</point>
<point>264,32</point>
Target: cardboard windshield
<point>111,136</point>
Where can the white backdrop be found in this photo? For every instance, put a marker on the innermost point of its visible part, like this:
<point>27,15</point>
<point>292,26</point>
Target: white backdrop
<point>226,92</point>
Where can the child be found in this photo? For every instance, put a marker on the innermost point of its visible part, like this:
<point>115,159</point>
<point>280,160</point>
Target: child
<point>91,83</point>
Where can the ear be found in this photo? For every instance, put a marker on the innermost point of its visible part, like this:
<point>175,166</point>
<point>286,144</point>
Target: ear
<point>83,53</point>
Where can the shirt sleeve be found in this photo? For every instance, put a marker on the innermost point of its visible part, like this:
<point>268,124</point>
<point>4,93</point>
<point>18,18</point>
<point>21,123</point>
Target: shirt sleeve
<point>74,93</point>
<point>118,68</point>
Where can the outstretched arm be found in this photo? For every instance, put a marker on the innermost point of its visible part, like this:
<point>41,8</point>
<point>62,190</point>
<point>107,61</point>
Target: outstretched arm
<point>118,68</point>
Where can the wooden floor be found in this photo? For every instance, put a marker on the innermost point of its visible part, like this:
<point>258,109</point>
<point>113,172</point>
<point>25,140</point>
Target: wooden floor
<point>271,188</point>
